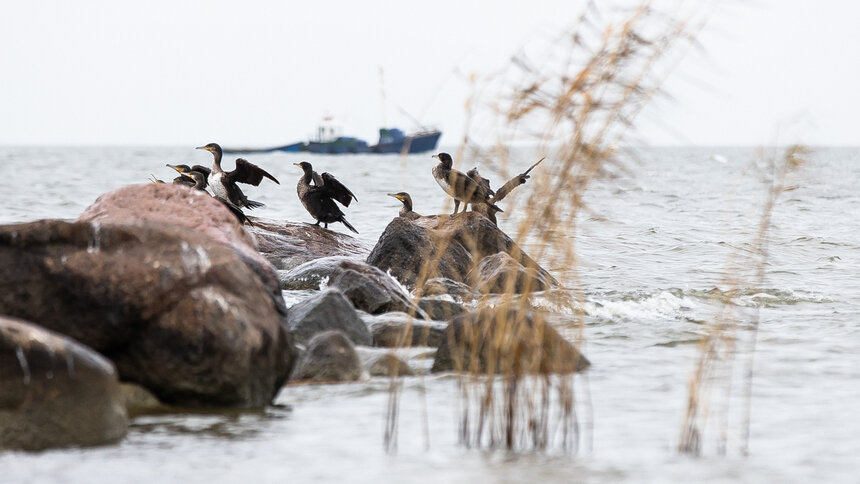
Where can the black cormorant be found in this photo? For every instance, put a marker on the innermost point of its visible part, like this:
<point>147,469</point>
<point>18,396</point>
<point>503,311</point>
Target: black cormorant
<point>319,198</point>
<point>199,183</point>
<point>224,184</point>
<point>406,210</point>
<point>459,185</point>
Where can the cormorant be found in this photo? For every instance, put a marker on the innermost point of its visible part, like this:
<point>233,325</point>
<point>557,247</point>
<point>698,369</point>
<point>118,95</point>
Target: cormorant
<point>183,170</point>
<point>459,185</point>
<point>406,210</point>
<point>199,183</point>
<point>319,198</point>
<point>224,183</point>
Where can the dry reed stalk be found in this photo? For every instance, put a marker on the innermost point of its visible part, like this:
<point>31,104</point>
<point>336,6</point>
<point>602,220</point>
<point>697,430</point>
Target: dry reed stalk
<point>584,93</point>
<point>719,347</point>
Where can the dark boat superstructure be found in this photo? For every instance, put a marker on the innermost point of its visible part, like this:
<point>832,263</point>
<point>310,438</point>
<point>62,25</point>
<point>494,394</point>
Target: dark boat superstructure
<point>393,140</point>
<point>459,185</point>
<point>224,184</point>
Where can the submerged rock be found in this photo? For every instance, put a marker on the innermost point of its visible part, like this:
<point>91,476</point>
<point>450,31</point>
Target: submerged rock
<point>383,362</point>
<point>501,273</point>
<point>329,357</point>
<point>288,245</point>
<point>55,392</point>
<point>440,309</point>
<point>325,311</point>
<point>506,342</point>
<point>400,329</point>
<point>176,311</point>
<point>370,289</point>
<point>439,286</point>
<point>443,246</point>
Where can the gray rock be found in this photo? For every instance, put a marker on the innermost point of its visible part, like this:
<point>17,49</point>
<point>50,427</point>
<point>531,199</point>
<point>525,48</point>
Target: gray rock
<point>442,246</point>
<point>176,311</point>
<point>329,357</point>
<point>324,311</point>
<point>55,392</point>
<point>510,342</point>
<point>370,289</point>
<point>288,245</point>
<point>440,309</point>
<point>310,274</point>
<point>399,329</point>
<point>500,273</point>
<point>383,362</point>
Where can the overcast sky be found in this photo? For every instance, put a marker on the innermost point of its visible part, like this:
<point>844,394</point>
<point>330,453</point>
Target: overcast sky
<point>265,72</point>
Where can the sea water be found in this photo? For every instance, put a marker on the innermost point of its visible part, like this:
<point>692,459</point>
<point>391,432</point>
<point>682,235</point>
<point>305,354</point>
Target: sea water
<point>653,250</point>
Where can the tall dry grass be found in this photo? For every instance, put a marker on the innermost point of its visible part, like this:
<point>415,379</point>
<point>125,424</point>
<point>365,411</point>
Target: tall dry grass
<point>732,333</point>
<point>577,97</point>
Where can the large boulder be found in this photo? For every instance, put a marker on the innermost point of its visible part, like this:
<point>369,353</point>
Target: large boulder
<point>325,311</point>
<point>290,244</point>
<point>440,309</point>
<point>443,246</point>
<point>506,342</point>
<point>370,289</point>
<point>329,357</point>
<point>400,329</point>
<point>501,273</point>
<point>195,210</point>
<point>440,286</point>
<point>176,311</point>
<point>55,392</point>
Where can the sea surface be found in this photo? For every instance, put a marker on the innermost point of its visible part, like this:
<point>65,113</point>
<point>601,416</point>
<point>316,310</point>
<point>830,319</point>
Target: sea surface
<point>653,251</point>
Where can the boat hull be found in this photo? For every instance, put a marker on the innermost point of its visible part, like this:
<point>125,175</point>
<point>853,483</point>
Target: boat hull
<point>416,143</point>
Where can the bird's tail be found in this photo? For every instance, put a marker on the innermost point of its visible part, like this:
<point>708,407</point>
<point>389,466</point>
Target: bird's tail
<point>250,204</point>
<point>350,227</point>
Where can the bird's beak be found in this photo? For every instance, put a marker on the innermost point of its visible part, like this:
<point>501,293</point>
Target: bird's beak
<point>202,148</point>
<point>297,164</point>
<point>174,167</point>
<point>435,156</point>
<point>393,195</point>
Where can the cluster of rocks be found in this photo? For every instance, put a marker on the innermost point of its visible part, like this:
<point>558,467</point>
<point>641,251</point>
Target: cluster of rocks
<point>156,295</point>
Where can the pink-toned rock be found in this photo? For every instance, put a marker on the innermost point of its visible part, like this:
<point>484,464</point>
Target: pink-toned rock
<point>288,245</point>
<point>186,207</point>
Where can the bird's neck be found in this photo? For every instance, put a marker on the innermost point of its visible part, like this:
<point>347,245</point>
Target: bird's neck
<point>407,206</point>
<point>308,177</point>
<point>216,163</point>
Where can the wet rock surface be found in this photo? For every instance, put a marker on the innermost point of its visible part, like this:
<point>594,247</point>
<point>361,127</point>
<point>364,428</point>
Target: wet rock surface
<point>440,286</point>
<point>176,311</point>
<point>500,273</point>
<point>510,342</point>
<point>440,309</point>
<point>370,289</point>
<point>443,246</point>
<point>325,311</point>
<point>399,329</point>
<point>55,392</point>
<point>310,274</point>
<point>288,245</point>
<point>329,357</point>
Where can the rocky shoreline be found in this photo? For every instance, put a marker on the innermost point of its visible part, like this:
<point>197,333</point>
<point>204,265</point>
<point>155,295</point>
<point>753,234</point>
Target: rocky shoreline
<point>159,289</point>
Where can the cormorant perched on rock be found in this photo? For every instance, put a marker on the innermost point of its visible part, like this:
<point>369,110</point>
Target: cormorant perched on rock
<point>406,210</point>
<point>224,183</point>
<point>199,183</point>
<point>183,170</point>
<point>319,198</point>
<point>459,185</point>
